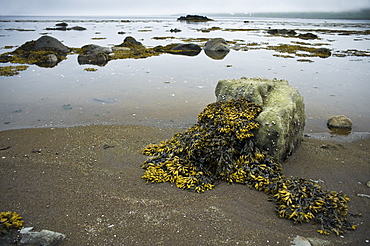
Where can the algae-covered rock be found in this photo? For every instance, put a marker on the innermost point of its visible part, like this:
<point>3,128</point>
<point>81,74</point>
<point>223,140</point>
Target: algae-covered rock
<point>282,119</point>
<point>45,52</point>
<point>94,54</point>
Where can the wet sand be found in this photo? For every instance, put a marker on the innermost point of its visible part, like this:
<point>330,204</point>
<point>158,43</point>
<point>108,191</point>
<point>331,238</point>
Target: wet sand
<point>86,182</point>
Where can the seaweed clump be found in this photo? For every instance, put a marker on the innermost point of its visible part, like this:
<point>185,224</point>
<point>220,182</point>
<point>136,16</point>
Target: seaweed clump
<point>221,146</point>
<point>12,70</point>
<point>10,220</point>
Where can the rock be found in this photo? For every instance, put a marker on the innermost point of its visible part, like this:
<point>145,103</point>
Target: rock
<point>217,44</point>
<point>281,32</point>
<point>216,48</point>
<point>77,28</point>
<point>323,52</point>
<point>42,238</point>
<point>50,43</point>
<point>300,241</point>
<point>131,42</point>
<point>308,36</point>
<point>94,54</point>
<point>61,24</point>
<point>339,121</point>
<point>195,18</point>
<point>175,30</point>
<point>183,49</point>
<point>368,184</point>
<point>282,119</point>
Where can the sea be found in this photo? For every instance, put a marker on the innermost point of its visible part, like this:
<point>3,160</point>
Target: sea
<point>171,90</point>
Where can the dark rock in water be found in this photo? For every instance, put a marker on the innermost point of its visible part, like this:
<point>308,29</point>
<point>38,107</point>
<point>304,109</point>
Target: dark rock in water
<point>46,52</point>
<point>50,43</point>
<point>194,18</point>
<point>216,44</point>
<point>323,52</point>
<point>94,54</point>
<point>175,30</point>
<point>130,42</point>
<point>308,36</point>
<point>77,28</point>
<point>61,24</point>
<point>281,32</point>
<point>339,121</point>
<point>216,48</point>
<point>283,117</point>
<point>183,49</point>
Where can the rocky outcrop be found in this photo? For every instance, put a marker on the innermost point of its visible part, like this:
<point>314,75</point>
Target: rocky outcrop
<point>216,48</point>
<point>195,18</point>
<point>94,54</point>
<point>282,120</point>
<point>45,52</point>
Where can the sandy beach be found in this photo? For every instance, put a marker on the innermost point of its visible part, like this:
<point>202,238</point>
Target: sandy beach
<point>86,182</point>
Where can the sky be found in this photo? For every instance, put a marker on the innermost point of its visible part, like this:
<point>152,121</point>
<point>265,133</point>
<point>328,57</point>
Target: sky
<point>170,7</point>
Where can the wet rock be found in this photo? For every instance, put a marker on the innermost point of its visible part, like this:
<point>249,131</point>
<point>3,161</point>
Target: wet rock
<point>77,28</point>
<point>282,119</point>
<point>61,24</point>
<point>217,44</point>
<point>50,43</point>
<point>323,52</point>
<point>307,36</point>
<point>131,42</point>
<point>94,54</point>
<point>282,32</point>
<point>175,30</point>
<point>42,238</point>
<point>183,49</point>
<point>216,48</point>
<point>339,121</point>
<point>195,18</point>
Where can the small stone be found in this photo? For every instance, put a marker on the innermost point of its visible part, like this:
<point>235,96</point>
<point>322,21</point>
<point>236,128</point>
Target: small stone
<point>300,241</point>
<point>368,184</point>
<point>339,121</point>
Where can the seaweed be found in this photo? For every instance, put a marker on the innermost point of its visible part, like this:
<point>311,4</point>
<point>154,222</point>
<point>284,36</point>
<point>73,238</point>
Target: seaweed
<point>221,146</point>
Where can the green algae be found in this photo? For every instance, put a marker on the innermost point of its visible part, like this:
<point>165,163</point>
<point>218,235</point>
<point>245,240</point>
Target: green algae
<point>12,70</point>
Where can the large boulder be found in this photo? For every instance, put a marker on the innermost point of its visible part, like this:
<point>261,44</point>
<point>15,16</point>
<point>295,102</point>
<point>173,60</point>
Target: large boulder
<point>282,119</point>
<point>50,43</point>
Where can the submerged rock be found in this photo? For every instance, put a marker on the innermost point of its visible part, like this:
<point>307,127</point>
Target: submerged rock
<point>283,117</point>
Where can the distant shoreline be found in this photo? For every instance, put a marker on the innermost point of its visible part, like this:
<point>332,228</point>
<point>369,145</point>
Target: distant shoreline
<point>363,14</point>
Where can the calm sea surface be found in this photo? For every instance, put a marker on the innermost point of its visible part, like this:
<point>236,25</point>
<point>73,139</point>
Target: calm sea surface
<point>170,90</point>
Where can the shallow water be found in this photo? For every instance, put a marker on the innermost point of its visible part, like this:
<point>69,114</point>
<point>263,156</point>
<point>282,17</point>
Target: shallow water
<point>170,90</point>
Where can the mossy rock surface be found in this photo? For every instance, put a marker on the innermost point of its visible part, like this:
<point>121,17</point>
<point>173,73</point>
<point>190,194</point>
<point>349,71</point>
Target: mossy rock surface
<point>283,117</point>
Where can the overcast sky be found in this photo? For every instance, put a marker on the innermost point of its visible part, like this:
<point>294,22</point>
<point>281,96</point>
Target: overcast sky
<point>167,7</point>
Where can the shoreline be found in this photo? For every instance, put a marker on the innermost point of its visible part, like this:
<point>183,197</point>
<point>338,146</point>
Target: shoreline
<point>65,180</point>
